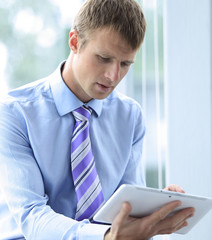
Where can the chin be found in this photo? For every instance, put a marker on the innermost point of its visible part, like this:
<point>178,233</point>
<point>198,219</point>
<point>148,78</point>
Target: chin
<point>101,96</point>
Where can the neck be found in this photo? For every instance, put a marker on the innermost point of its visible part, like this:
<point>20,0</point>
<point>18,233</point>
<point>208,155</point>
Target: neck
<point>67,72</point>
<point>68,77</point>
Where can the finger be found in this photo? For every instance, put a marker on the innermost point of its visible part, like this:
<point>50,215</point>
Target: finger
<point>163,212</point>
<point>182,215</point>
<point>174,188</point>
<point>176,221</point>
<point>121,216</point>
<point>182,225</point>
<point>175,229</point>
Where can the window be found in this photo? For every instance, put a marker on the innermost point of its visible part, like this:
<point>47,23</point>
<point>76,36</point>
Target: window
<point>33,39</point>
<point>145,83</point>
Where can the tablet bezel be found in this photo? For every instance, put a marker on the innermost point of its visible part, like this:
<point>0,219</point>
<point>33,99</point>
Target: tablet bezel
<point>146,200</point>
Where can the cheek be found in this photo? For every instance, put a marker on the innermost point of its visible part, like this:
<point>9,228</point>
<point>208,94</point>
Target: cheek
<point>83,69</point>
<point>95,70</point>
<point>91,65</point>
<point>89,73</point>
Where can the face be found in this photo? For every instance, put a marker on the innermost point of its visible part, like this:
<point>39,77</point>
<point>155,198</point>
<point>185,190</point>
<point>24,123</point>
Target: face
<point>97,68</point>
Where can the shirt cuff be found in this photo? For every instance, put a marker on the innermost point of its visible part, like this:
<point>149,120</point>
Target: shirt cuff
<point>93,231</point>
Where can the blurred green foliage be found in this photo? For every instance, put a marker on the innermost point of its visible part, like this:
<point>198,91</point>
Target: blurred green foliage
<point>27,59</point>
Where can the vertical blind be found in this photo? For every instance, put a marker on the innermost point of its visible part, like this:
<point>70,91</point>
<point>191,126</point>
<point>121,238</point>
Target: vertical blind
<point>147,87</point>
<point>153,97</point>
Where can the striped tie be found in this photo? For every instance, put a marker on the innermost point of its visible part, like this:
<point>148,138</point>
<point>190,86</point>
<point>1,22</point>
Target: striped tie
<point>86,181</point>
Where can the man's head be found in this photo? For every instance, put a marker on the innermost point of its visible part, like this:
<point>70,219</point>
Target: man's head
<point>123,16</point>
<point>104,41</point>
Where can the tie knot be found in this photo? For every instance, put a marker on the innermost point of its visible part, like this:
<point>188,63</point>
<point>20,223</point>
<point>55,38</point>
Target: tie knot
<point>82,113</point>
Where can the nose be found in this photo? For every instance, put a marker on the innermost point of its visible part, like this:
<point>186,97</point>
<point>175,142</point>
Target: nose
<point>113,72</point>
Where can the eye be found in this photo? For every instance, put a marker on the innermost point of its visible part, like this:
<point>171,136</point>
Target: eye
<point>104,59</point>
<point>126,64</point>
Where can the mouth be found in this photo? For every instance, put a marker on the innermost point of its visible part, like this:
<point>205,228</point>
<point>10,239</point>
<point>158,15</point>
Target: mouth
<point>104,88</point>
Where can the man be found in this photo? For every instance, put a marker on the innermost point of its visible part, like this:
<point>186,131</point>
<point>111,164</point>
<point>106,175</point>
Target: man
<point>69,141</point>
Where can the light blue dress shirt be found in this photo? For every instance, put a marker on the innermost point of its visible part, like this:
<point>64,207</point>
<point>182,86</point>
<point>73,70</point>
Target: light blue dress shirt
<point>37,196</point>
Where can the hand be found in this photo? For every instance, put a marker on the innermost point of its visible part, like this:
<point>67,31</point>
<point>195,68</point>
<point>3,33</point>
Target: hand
<point>125,227</point>
<point>174,188</point>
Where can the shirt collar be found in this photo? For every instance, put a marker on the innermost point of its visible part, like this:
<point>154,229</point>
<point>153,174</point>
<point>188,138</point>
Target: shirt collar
<point>65,99</point>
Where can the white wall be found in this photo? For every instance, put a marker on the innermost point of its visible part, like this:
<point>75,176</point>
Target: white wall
<point>188,62</point>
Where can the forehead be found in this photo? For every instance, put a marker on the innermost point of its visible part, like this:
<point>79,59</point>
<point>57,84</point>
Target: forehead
<point>108,41</point>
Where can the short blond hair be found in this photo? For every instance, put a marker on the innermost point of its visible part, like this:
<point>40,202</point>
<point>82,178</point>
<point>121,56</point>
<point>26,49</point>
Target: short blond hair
<point>124,16</point>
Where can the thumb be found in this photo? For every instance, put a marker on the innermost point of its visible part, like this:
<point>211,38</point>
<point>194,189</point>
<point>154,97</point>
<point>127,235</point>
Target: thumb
<point>121,217</point>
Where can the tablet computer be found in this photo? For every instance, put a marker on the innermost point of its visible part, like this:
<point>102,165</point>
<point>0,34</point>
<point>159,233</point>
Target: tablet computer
<point>145,201</point>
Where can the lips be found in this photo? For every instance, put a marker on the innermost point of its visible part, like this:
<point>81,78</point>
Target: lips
<point>102,85</point>
<point>104,88</point>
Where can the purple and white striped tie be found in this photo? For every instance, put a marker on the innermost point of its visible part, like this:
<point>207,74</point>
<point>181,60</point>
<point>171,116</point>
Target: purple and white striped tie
<point>86,181</point>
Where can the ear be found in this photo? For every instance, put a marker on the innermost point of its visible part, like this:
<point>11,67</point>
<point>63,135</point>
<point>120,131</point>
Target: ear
<point>74,41</point>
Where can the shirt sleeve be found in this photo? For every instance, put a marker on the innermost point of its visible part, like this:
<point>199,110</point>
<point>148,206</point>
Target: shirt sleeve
<point>23,191</point>
<point>135,165</point>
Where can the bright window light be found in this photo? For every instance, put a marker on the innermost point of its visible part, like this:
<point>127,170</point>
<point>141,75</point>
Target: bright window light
<point>68,10</point>
<point>27,22</point>
<point>47,37</point>
<point>3,62</point>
